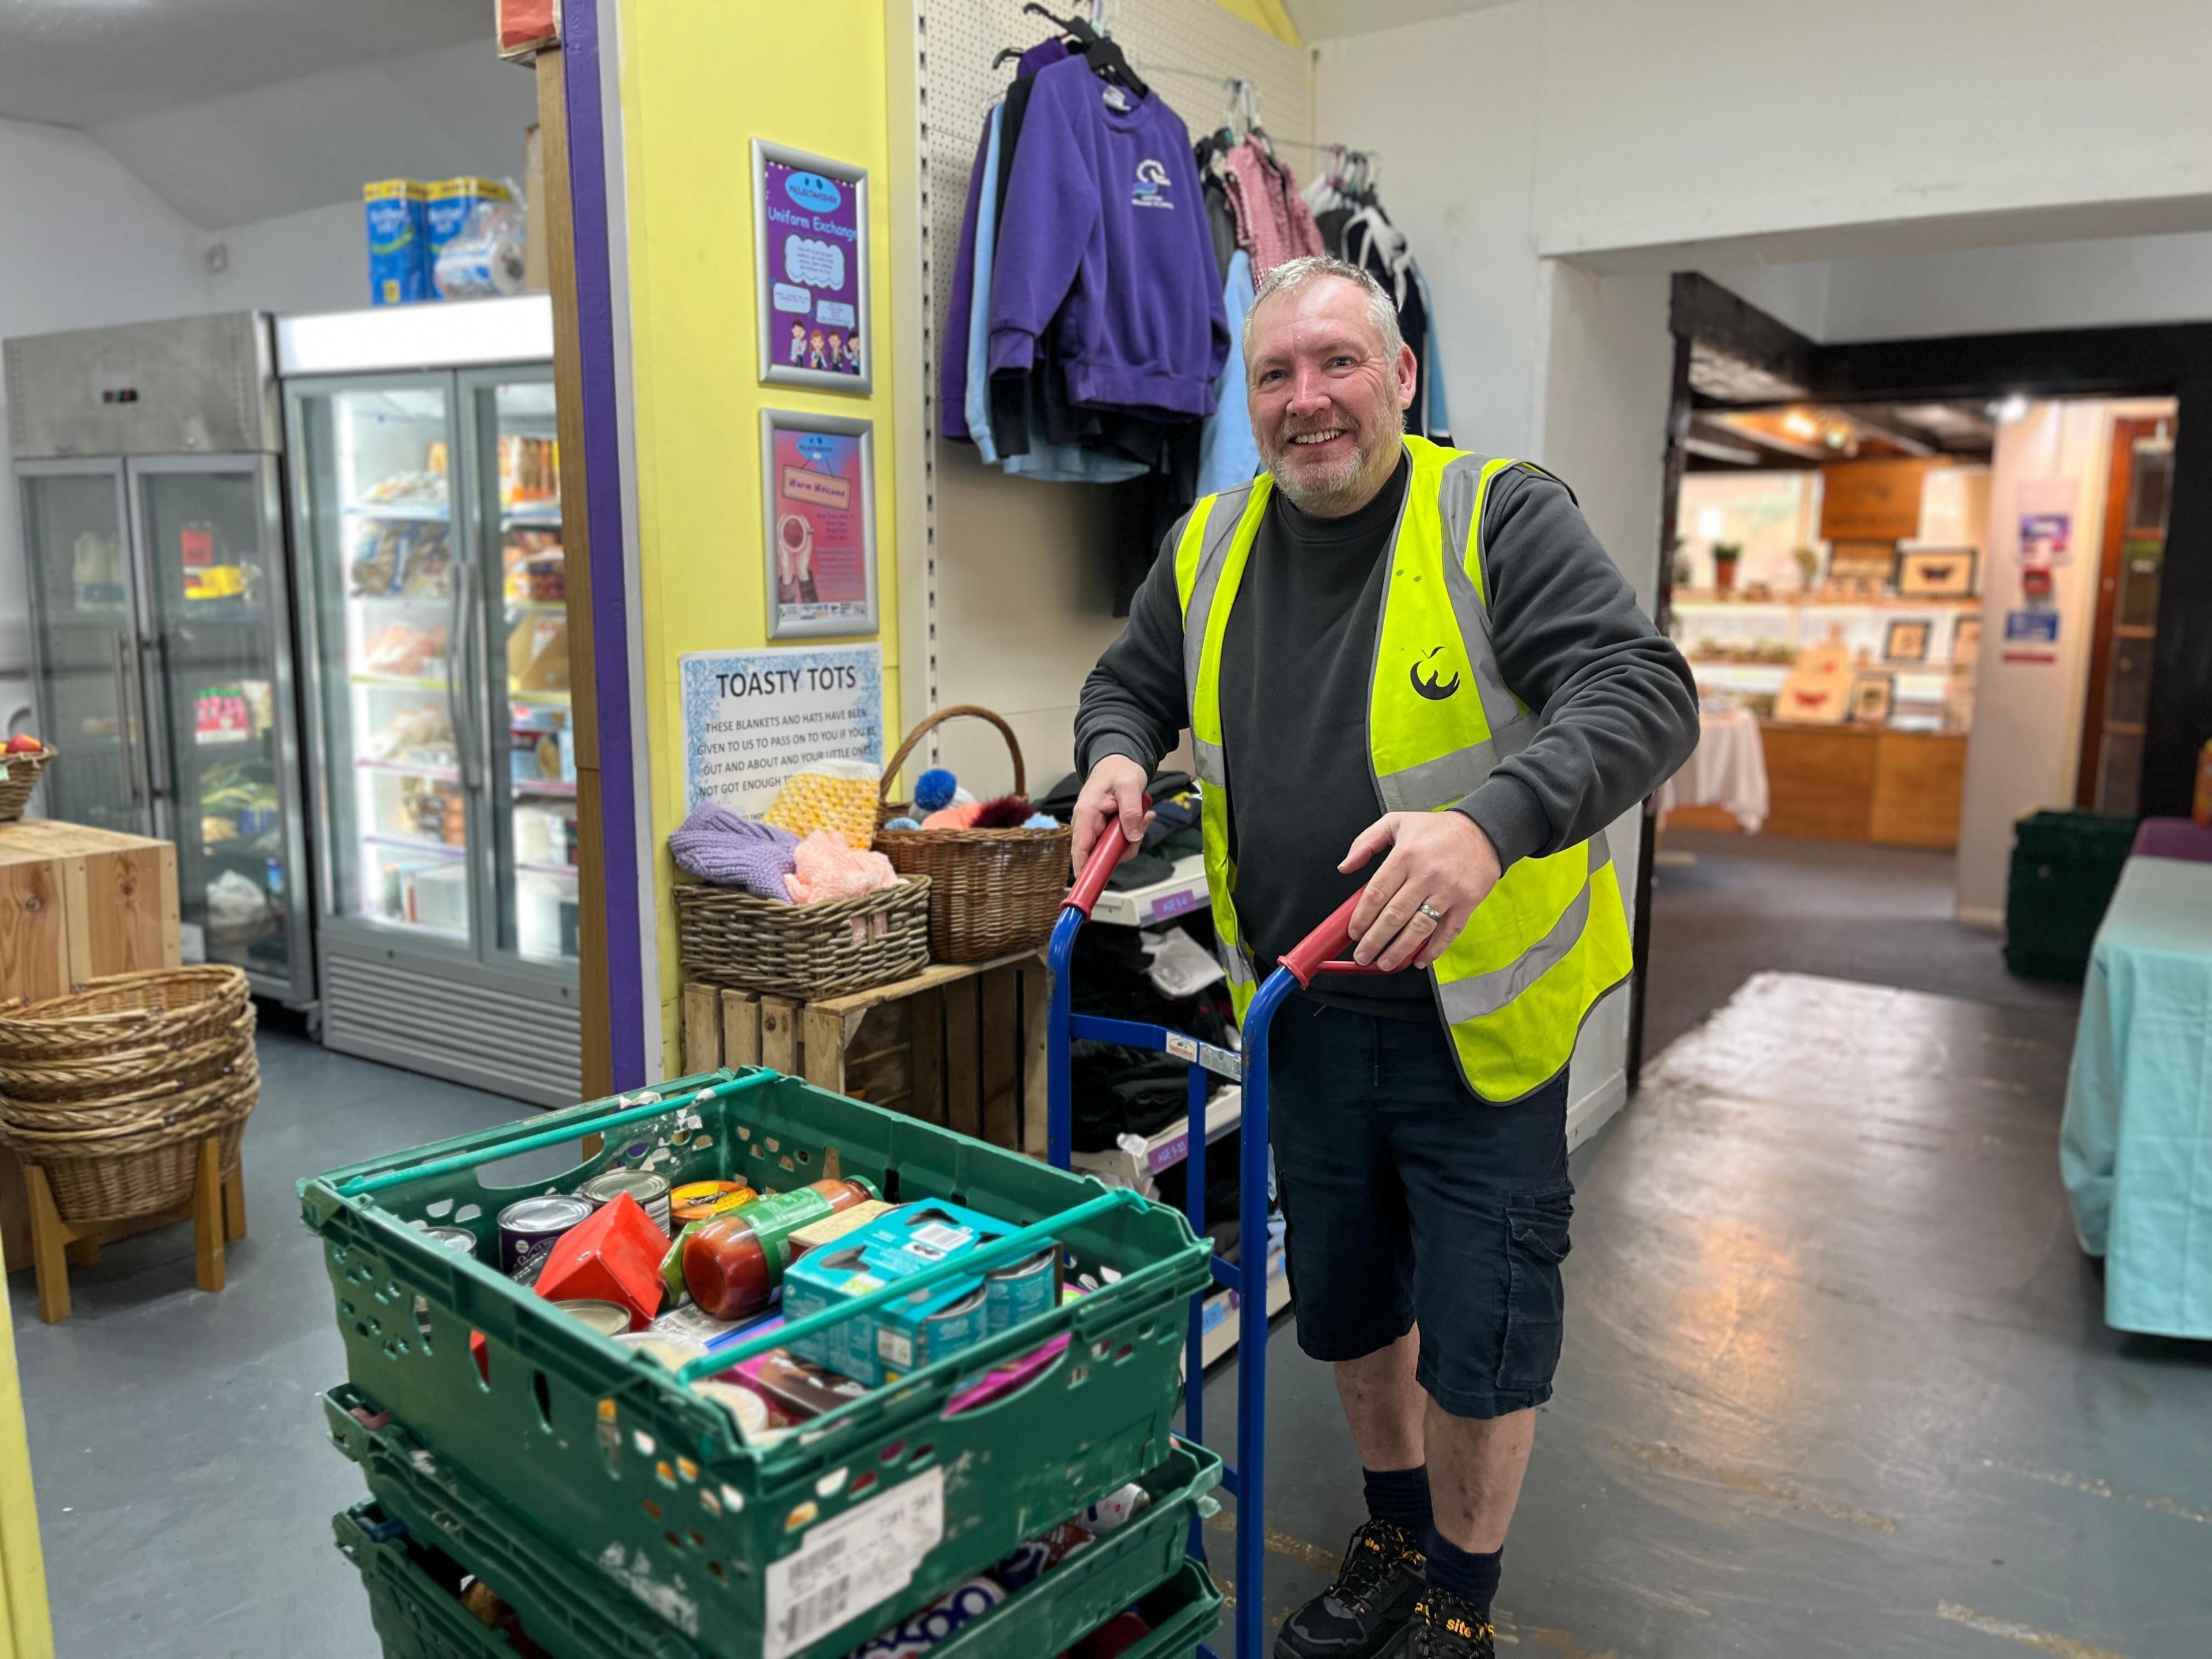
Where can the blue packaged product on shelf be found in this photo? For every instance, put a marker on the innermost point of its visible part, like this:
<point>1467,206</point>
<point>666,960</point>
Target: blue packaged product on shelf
<point>398,258</point>
<point>446,206</point>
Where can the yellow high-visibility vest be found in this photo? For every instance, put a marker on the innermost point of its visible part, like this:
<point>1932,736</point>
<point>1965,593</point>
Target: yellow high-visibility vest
<point>1552,936</point>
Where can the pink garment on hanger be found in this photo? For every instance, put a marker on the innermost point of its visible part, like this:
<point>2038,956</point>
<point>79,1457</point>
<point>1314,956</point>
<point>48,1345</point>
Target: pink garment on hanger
<point>1264,199</point>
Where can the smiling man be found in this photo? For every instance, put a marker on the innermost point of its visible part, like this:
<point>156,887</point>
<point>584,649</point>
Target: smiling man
<point>1385,647</point>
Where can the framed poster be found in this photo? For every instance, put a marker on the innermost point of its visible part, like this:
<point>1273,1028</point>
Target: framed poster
<point>1906,641</point>
<point>811,270</point>
<point>1966,641</point>
<point>817,477</point>
<point>1931,574</point>
<point>1872,695</point>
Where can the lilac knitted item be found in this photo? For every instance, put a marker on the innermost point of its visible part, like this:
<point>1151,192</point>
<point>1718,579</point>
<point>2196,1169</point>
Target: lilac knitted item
<point>719,845</point>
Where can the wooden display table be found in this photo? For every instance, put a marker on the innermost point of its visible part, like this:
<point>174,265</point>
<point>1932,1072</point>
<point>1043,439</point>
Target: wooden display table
<point>1864,783</point>
<point>959,1044</point>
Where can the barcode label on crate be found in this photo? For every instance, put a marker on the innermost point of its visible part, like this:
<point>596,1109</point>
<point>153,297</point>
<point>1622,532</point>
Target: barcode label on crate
<point>845,1566</point>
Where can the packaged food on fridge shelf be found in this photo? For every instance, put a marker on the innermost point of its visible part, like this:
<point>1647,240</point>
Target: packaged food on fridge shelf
<point>406,654</point>
<point>422,735</point>
<point>538,654</point>
<point>529,471</point>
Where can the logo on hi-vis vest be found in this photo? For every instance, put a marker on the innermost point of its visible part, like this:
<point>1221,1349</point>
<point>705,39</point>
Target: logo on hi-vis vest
<point>1151,189</point>
<point>1437,688</point>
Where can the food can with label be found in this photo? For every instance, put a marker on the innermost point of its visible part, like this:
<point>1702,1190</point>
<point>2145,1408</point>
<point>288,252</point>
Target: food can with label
<point>695,1201</point>
<point>650,1192</point>
<point>453,1238</point>
<point>607,1318</point>
<point>673,1351</point>
<point>529,1228</point>
<point>1021,1290</point>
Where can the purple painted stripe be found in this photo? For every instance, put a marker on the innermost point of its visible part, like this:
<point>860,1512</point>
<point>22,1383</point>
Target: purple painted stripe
<point>602,480</point>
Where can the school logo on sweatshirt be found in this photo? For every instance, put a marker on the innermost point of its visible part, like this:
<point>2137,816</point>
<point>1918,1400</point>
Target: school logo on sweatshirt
<point>1150,188</point>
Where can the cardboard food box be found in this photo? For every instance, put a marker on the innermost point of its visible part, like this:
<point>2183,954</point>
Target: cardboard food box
<point>938,1320</point>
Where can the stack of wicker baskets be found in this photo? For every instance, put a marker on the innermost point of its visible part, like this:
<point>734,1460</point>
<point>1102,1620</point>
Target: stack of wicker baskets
<point>18,776</point>
<point>111,1090</point>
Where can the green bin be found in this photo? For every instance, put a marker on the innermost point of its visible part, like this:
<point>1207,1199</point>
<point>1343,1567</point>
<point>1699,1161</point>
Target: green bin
<point>628,1474</point>
<point>578,1616</point>
<point>2064,866</point>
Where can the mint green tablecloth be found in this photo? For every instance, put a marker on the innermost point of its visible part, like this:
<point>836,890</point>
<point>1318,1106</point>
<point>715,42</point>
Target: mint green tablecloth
<point>2135,1148</point>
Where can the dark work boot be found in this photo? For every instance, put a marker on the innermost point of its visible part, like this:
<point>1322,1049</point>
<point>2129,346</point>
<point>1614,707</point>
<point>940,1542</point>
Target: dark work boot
<point>1445,1628</point>
<point>1359,1615</point>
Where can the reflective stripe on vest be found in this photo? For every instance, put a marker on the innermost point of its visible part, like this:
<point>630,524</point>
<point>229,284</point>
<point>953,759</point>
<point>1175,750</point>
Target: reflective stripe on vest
<point>1552,936</point>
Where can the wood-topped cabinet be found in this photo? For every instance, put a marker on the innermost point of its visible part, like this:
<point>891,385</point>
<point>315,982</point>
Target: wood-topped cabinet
<point>1864,783</point>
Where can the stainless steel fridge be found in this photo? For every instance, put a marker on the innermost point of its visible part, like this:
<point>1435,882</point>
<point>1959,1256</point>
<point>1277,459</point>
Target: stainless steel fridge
<point>426,532</point>
<point>147,478</point>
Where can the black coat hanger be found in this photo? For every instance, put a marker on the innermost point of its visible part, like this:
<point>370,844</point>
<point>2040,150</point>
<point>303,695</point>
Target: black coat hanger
<point>1106,59</point>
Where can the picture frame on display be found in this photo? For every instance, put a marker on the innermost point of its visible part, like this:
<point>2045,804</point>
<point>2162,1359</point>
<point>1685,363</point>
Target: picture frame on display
<point>1966,641</point>
<point>1872,696</point>
<point>1937,573</point>
<point>1906,640</point>
<point>811,270</point>
<point>818,485</point>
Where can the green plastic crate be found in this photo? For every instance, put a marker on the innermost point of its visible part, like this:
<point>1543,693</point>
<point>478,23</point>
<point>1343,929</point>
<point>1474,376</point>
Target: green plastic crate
<point>2064,867</point>
<point>1183,1613</point>
<point>583,1617</point>
<point>416,1615</point>
<point>624,1469</point>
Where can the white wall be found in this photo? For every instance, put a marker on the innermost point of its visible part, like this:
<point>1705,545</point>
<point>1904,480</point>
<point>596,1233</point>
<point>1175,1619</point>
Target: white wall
<point>314,260</point>
<point>2026,750</point>
<point>2120,279</point>
<point>81,243</point>
<point>1878,127</point>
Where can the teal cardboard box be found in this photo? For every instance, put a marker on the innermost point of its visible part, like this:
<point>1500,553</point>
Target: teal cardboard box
<point>938,1320</point>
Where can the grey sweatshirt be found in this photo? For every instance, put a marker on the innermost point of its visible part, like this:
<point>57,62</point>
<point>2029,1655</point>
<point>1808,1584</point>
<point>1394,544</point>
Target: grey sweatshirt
<point>1618,706</point>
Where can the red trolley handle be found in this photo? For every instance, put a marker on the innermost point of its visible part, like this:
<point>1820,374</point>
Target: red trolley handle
<point>1322,950</point>
<point>1112,848</point>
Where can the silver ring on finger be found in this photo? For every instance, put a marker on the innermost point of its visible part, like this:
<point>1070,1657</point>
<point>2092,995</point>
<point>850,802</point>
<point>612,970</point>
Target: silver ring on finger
<point>1427,909</point>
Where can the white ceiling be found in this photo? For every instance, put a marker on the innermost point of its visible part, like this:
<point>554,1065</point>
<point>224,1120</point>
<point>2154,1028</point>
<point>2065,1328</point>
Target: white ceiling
<point>313,140</point>
<point>80,62</point>
<point>1330,20</point>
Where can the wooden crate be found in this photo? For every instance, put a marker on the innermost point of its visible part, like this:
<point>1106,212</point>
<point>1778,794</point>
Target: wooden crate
<point>75,903</point>
<point>959,1044</point>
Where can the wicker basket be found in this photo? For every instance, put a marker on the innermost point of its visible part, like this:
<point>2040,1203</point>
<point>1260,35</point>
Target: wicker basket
<point>110,1090</point>
<point>163,1008</point>
<point>804,950</point>
<point>992,893</point>
<point>19,775</point>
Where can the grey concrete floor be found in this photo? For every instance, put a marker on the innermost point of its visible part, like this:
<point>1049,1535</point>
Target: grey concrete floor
<point>1835,1382</point>
<point>1881,914</point>
<point>1835,1378</point>
<point>185,1485</point>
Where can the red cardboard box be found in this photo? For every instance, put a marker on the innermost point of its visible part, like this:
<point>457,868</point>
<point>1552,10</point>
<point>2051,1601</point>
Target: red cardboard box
<point>615,1256</point>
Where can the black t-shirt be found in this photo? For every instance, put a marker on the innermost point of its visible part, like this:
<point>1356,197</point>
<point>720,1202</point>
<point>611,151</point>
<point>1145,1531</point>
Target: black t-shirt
<point>1302,633</point>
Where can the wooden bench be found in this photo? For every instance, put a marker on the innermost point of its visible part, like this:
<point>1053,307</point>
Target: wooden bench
<point>958,1044</point>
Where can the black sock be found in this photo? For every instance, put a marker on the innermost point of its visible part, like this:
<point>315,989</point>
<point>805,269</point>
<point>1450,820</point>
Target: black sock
<point>1472,1577</point>
<point>1401,1498</point>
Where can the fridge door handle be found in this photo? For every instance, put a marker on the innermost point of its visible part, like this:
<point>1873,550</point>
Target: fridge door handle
<point>128,726</point>
<point>157,752</point>
<point>460,675</point>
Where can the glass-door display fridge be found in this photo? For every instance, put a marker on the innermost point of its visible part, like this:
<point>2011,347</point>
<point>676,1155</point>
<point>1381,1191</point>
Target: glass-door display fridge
<point>154,545</point>
<point>427,534</point>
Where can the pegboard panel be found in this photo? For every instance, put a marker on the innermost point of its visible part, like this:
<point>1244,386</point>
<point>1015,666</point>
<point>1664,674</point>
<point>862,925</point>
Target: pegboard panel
<point>1186,50</point>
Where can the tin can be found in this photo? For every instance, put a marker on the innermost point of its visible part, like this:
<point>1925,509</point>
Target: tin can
<point>607,1318</point>
<point>750,1409</point>
<point>1021,1290</point>
<point>650,1192</point>
<point>529,1228</point>
<point>453,1238</point>
<point>673,1351</point>
<point>695,1201</point>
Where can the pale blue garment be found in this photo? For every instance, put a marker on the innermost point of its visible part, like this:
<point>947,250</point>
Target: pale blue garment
<point>1228,456</point>
<point>1433,370</point>
<point>2135,1147</point>
<point>1048,463</point>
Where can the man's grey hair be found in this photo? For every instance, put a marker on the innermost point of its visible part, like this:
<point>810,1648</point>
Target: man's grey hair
<point>1294,274</point>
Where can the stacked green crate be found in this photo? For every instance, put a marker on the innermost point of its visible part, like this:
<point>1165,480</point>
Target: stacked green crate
<point>597,1491</point>
<point>2064,866</point>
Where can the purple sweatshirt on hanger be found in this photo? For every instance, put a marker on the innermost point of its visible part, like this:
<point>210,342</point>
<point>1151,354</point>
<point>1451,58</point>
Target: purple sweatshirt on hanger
<point>952,380</point>
<point>1105,229</point>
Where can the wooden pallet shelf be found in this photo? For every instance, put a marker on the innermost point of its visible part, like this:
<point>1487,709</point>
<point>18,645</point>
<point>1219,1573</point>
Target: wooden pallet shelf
<point>959,1044</point>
